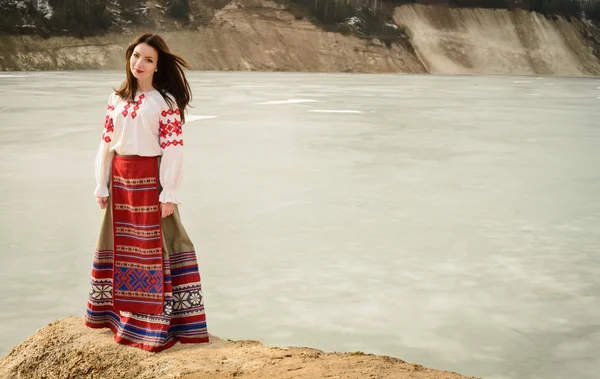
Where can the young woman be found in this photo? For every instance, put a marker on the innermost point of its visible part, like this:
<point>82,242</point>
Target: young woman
<point>145,283</point>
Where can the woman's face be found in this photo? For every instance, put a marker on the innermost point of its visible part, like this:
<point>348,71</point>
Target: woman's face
<point>143,62</point>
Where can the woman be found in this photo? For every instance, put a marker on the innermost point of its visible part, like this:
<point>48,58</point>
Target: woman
<point>145,283</point>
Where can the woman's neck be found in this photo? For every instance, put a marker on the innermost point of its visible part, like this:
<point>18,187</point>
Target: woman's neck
<point>145,86</point>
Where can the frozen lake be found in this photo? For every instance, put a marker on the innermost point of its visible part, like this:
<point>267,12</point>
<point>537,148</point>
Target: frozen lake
<point>451,221</point>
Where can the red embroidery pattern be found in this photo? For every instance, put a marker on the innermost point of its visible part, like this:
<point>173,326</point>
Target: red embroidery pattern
<point>170,112</point>
<point>135,108</point>
<point>109,126</point>
<point>169,143</point>
<point>168,128</point>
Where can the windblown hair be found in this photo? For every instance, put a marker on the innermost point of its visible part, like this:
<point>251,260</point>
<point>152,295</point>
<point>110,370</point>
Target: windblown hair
<point>169,79</point>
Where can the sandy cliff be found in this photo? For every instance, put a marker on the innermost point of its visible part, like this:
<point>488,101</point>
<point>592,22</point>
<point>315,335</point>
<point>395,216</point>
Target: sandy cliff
<point>450,41</point>
<point>257,35</point>
<point>254,36</point>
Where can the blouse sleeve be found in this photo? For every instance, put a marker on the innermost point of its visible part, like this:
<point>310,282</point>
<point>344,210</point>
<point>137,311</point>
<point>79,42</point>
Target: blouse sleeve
<point>171,164</point>
<point>104,156</point>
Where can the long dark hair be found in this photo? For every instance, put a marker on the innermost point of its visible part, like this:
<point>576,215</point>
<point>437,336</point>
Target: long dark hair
<point>169,78</point>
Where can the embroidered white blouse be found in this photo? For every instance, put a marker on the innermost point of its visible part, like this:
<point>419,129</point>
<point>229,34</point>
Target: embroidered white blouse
<point>145,127</point>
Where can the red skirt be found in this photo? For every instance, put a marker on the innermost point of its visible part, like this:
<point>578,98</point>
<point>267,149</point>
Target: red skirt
<point>145,283</point>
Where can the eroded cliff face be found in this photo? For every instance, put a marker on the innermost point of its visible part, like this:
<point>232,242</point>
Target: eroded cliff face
<point>253,35</point>
<point>453,40</point>
<point>257,35</point>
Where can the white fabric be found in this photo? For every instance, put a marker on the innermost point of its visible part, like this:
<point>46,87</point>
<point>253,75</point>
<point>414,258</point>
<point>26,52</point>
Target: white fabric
<point>153,130</point>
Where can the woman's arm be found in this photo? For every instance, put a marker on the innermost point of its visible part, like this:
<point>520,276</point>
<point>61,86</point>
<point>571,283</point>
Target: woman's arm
<point>104,156</point>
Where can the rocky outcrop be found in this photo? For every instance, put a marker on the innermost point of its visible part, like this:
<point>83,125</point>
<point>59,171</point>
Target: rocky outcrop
<point>66,349</point>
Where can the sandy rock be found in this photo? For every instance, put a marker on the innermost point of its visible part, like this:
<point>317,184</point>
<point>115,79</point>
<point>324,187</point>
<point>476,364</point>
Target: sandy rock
<point>67,349</point>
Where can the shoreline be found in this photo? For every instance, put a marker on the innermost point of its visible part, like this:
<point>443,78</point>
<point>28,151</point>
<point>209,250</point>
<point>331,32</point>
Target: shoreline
<point>8,74</point>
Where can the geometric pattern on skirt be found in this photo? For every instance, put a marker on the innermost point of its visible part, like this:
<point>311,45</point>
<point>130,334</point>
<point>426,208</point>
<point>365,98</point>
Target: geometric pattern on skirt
<point>183,318</point>
<point>138,276</point>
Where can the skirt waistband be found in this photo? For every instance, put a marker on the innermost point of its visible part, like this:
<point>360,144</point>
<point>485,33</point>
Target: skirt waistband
<point>134,157</point>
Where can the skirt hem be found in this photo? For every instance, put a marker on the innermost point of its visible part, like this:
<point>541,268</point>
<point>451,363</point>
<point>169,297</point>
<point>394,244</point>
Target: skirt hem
<point>151,349</point>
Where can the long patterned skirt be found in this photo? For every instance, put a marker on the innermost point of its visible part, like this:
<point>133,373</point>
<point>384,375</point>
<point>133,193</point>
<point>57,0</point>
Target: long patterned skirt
<point>145,283</point>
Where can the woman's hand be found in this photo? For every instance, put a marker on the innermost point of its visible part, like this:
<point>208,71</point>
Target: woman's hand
<point>166,209</point>
<point>102,202</point>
